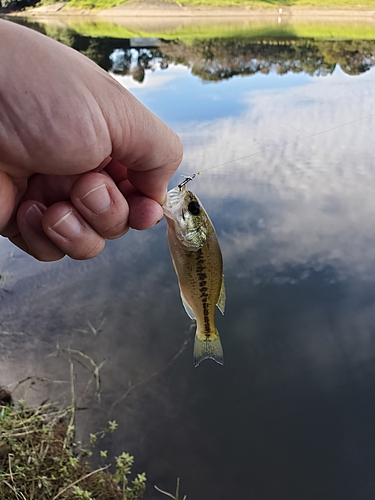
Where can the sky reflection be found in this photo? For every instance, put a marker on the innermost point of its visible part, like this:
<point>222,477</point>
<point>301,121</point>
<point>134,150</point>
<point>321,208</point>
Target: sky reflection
<point>309,201</point>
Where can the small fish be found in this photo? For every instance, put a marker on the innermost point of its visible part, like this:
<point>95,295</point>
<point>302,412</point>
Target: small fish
<point>198,263</point>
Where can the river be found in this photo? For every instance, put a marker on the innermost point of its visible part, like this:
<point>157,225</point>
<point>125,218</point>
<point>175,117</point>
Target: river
<point>290,415</point>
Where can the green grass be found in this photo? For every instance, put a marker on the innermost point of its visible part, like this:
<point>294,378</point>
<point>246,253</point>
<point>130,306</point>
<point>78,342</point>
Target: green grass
<point>251,29</point>
<point>93,4</point>
<point>323,30</point>
<point>100,29</point>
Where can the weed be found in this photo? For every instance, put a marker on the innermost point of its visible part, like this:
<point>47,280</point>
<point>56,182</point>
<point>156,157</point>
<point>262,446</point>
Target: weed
<point>39,459</point>
<point>176,496</point>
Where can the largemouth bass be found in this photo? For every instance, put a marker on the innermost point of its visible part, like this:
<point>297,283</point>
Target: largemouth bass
<point>198,263</point>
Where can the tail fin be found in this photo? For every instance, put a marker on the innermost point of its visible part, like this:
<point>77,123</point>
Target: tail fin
<point>208,347</point>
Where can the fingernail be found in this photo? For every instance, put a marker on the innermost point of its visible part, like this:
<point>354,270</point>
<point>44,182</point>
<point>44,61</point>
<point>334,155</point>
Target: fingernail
<point>68,226</point>
<point>34,216</point>
<point>97,200</point>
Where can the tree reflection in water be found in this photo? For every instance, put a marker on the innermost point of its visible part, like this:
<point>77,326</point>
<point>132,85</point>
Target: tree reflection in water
<point>222,58</point>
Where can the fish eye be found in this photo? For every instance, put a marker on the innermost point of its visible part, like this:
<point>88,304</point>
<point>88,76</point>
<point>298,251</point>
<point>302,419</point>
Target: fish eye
<point>194,208</point>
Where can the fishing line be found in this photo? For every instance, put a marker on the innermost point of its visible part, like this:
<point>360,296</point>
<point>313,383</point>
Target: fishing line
<point>272,148</point>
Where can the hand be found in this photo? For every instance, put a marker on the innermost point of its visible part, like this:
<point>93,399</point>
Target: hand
<point>81,160</point>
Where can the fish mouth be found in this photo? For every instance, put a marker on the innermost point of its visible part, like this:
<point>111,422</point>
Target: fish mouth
<point>174,197</point>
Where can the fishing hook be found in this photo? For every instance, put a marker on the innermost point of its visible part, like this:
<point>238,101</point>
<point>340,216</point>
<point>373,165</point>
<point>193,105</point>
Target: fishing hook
<point>187,179</point>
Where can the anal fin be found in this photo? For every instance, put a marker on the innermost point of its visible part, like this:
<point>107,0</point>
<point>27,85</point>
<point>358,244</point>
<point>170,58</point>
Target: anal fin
<point>222,297</point>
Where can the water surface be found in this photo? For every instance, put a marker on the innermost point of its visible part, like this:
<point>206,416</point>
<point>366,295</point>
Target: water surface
<point>291,414</point>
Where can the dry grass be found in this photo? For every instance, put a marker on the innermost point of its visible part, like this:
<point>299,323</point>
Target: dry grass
<point>39,458</point>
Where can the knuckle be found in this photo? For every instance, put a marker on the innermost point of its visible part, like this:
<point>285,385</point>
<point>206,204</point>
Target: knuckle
<point>115,231</point>
<point>86,249</point>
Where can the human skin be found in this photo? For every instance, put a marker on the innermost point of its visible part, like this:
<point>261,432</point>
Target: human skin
<point>81,160</point>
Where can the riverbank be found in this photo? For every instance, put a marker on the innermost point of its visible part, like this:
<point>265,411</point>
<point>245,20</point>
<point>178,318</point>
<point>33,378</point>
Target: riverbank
<point>163,9</point>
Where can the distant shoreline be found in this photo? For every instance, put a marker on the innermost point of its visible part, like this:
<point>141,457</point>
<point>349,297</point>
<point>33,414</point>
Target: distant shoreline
<point>154,9</point>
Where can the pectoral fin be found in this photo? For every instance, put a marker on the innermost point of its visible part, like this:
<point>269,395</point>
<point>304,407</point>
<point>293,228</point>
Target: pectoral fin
<point>188,309</point>
<point>221,302</point>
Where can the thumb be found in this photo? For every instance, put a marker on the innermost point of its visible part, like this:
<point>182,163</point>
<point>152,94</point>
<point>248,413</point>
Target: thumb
<point>149,149</point>
<point>8,195</point>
